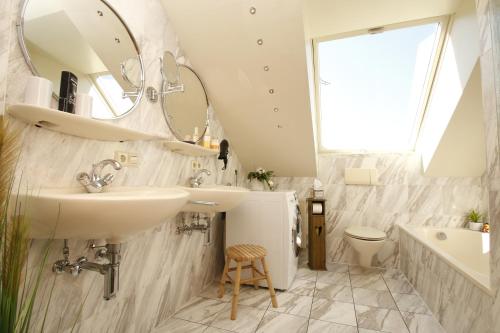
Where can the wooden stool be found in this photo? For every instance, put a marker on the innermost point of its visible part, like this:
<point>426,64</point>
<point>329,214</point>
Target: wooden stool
<point>240,254</point>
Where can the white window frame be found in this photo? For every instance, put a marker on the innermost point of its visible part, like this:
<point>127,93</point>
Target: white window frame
<point>444,24</point>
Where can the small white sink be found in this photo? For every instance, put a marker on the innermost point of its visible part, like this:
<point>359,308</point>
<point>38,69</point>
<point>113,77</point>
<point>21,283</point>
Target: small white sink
<point>113,215</point>
<point>212,199</point>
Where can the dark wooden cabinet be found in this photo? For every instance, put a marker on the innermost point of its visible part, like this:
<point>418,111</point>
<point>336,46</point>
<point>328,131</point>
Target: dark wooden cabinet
<point>316,235</point>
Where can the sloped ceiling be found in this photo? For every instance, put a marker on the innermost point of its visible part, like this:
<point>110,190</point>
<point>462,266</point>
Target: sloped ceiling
<point>328,17</point>
<point>220,40</point>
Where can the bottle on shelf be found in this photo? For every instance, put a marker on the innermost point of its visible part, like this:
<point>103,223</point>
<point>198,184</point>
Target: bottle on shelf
<point>196,135</point>
<point>207,139</point>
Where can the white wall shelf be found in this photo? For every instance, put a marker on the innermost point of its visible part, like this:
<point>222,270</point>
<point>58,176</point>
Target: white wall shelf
<point>76,125</point>
<point>189,149</point>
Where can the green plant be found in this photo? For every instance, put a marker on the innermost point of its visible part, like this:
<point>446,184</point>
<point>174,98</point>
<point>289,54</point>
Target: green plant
<point>18,291</point>
<point>262,176</point>
<point>474,216</point>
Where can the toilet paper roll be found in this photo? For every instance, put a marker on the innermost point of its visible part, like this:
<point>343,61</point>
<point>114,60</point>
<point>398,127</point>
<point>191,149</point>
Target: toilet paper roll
<point>317,208</point>
<point>83,105</point>
<point>38,91</point>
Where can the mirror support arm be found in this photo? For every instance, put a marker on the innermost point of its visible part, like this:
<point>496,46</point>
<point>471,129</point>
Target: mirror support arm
<point>170,89</point>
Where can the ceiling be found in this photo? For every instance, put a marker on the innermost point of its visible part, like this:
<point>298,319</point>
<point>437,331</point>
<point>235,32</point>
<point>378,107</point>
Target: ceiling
<point>41,30</point>
<point>329,17</point>
<point>220,40</point>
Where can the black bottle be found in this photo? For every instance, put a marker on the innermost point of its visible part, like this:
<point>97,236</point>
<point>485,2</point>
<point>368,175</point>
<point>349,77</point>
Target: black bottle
<point>67,92</point>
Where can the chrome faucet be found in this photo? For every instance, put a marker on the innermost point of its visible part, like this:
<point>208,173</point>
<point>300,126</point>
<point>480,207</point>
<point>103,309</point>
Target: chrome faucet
<point>95,183</point>
<point>197,178</point>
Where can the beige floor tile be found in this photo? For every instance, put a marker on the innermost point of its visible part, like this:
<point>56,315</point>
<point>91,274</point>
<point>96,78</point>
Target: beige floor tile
<point>282,322</point>
<point>247,319</point>
<point>333,311</point>
<point>374,298</point>
<point>293,304</point>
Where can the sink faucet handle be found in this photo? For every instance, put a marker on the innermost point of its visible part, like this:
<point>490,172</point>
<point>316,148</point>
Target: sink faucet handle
<point>83,178</point>
<point>108,179</point>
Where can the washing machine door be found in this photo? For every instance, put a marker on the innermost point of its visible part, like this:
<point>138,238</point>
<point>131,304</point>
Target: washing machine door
<point>297,231</point>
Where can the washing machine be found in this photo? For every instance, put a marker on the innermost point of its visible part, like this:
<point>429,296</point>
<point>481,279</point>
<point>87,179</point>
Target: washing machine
<point>272,220</point>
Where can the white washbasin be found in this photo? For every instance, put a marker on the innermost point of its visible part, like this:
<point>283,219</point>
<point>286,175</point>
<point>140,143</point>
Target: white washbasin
<point>212,199</point>
<point>113,215</point>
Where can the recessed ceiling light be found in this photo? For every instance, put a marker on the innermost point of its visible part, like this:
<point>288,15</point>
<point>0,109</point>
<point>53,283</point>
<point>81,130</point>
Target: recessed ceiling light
<point>253,10</point>
<point>271,91</point>
<point>276,109</point>
<point>266,68</point>
<point>260,41</point>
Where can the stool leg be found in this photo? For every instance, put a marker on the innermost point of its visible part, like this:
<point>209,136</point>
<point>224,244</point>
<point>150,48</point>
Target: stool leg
<point>236,291</point>
<point>223,277</point>
<point>254,275</point>
<point>269,283</point>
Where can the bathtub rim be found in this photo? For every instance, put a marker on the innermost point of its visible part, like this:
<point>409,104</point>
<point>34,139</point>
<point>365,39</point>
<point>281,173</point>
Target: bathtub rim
<point>450,260</point>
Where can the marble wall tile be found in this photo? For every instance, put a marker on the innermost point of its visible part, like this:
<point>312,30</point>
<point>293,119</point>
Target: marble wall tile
<point>391,199</point>
<point>5,27</point>
<point>359,198</point>
<point>457,197</point>
<point>425,199</point>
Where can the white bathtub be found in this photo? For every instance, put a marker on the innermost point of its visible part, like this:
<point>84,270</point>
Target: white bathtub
<point>466,250</point>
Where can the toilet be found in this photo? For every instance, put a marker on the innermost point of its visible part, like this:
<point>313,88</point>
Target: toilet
<point>366,241</point>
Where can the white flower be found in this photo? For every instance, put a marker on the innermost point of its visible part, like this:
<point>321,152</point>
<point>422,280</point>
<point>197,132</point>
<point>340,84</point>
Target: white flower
<point>261,171</point>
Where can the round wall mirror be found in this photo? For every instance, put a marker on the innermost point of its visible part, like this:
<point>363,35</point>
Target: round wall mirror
<point>89,39</point>
<point>185,106</point>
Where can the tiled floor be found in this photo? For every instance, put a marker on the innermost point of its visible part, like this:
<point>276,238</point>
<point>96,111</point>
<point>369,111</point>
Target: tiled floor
<point>344,299</point>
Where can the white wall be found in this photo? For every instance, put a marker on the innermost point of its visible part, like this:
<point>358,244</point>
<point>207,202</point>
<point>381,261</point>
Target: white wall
<point>460,54</point>
<point>462,149</point>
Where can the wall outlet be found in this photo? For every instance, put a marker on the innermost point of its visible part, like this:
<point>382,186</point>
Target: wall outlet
<point>126,158</point>
<point>195,165</point>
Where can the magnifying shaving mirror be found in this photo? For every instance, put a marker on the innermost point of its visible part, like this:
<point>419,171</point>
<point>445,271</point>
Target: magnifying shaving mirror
<point>184,99</point>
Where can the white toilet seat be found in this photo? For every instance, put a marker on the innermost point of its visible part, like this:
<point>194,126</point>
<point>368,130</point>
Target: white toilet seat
<point>365,233</point>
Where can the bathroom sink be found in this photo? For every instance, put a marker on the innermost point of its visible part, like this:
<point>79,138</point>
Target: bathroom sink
<point>113,215</point>
<point>212,199</point>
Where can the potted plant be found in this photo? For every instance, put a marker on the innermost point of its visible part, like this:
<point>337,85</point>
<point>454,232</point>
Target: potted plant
<point>260,178</point>
<point>474,219</point>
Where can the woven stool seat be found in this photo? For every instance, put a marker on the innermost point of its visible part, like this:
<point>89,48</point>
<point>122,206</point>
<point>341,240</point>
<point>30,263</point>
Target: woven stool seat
<point>246,252</point>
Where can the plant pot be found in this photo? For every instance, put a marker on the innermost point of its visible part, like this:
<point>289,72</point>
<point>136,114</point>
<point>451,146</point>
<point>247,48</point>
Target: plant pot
<point>256,185</point>
<point>476,226</point>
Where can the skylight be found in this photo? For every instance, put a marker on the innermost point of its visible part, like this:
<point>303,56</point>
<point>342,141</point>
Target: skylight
<point>372,87</point>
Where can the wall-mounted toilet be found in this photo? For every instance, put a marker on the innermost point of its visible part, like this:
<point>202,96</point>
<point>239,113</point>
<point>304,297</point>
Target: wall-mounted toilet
<point>366,241</point>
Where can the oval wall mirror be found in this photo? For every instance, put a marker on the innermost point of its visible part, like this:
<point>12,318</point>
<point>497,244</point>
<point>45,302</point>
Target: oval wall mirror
<point>184,102</point>
<point>89,39</point>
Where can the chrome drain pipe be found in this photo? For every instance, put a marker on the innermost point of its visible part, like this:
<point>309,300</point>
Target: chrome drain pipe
<point>110,270</point>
